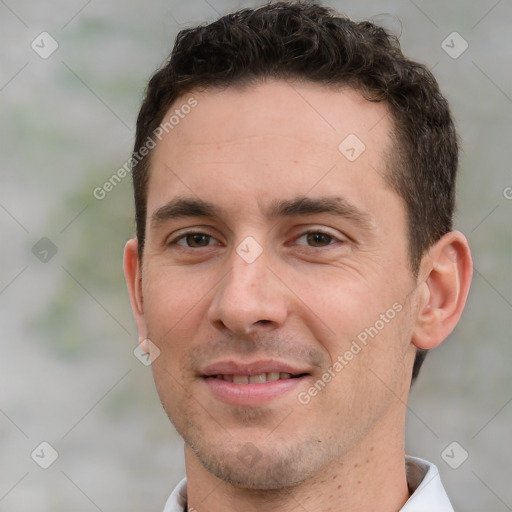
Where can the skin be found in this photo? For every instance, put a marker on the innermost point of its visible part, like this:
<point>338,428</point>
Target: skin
<point>303,300</point>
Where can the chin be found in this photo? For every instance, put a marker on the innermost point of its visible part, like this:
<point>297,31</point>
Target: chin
<point>270,467</point>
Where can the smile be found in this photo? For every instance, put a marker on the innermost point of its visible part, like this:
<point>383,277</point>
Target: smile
<point>255,379</point>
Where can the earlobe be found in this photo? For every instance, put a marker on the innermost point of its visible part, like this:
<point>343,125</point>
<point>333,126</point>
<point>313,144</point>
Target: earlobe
<point>443,293</point>
<point>132,273</point>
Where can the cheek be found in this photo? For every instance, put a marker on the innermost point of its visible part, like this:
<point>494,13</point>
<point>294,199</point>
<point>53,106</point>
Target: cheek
<point>367,327</point>
<point>345,302</point>
<point>171,295</point>
<point>175,304</point>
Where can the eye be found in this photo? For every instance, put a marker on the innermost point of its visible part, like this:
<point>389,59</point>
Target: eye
<point>317,239</point>
<point>194,240</point>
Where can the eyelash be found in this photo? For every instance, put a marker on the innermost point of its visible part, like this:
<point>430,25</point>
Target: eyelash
<point>306,233</point>
<point>319,232</point>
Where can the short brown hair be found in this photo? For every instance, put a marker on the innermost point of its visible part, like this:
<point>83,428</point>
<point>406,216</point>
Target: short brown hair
<point>304,41</point>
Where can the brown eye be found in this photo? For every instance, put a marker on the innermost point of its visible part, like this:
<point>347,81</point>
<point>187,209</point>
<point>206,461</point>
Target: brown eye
<point>194,240</point>
<point>318,239</point>
<point>198,240</point>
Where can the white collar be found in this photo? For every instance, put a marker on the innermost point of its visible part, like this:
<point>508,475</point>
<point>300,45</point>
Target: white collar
<point>425,483</point>
<point>422,476</point>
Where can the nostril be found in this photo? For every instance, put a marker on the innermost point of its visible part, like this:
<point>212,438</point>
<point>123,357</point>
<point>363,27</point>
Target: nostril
<point>218,324</point>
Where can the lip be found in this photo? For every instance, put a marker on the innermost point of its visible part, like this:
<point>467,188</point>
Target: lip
<point>252,395</point>
<point>232,367</point>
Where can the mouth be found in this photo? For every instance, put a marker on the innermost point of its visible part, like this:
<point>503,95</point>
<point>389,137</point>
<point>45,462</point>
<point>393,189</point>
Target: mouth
<point>252,384</point>
<point>260,378</point>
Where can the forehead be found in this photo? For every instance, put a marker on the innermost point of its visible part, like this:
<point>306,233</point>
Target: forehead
<point>305,110</point>
<point>270,137</point>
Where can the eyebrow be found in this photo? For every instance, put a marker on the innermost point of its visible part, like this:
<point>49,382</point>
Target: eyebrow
<point>332,205</point>
<point>299,206</point>
<point>185,207</point>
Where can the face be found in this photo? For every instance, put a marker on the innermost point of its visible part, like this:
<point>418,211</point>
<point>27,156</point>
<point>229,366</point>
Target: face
<point>275,281</point>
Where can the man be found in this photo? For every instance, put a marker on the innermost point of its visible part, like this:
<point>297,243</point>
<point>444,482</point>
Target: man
<point>294,183</point>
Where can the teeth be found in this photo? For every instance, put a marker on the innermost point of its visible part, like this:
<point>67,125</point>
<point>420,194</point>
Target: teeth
<point>255,379</point>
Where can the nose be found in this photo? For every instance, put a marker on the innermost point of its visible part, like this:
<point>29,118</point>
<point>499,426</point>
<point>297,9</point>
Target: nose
<point>250,298</point>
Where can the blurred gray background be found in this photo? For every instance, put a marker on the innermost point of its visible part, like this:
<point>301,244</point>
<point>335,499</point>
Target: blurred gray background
<point>68,375</point>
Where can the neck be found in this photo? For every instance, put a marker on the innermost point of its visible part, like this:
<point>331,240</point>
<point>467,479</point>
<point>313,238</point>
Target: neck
<point>370,477</point>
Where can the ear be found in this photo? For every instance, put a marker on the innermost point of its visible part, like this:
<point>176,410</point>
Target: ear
<point>448,268</point>
<point>133,276</point>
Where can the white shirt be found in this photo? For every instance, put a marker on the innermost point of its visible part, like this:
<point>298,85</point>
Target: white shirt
<point>428,494</point>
